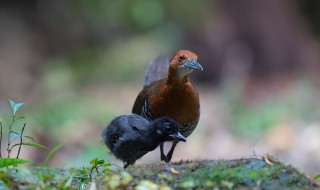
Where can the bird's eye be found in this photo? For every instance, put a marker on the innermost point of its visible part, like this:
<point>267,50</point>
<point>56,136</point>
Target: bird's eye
<point>168,129</point>
<point>182,58</point>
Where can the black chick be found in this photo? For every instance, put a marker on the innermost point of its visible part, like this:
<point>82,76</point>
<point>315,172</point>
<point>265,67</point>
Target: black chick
<point>129,137</point>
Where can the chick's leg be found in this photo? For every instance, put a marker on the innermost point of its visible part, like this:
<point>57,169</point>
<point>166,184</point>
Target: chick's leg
<point>163,156</point>
<point>169,155</point>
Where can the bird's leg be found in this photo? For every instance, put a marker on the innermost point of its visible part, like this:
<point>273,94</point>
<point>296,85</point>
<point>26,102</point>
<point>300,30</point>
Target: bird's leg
<point>163,156</point>
<point>126,165</point>
<point>169,155</point>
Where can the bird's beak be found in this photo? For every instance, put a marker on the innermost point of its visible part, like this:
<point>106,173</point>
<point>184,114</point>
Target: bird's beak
<point>192,64</point>
<point>177,136</point>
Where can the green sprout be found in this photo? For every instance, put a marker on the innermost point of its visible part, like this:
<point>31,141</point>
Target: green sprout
<point>16,138</point>
<point>89,174</point>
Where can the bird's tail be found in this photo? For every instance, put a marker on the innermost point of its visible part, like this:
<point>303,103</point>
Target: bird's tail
<point>157,69</point>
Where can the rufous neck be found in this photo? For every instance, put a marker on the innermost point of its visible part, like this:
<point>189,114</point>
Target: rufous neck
<point>175,79</point>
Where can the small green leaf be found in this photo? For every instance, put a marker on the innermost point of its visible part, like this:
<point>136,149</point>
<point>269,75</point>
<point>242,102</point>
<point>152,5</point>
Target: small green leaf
<point>82,184</point>
<point>316,177</point>
<point>100,161</point>
<point>106,170</point>
<point>106,165</point>
<point>92,168</point>
<point>20,117</point>
<point>13,135</point>
<point>84,171</point>
<point>15,106</point>
<point>94,162</point>
<point>68,183</point>
<point>5,162</point>
<point>81,178</point>
<point>51,153</point>
<point>30,137</point>
<point>35,145</point>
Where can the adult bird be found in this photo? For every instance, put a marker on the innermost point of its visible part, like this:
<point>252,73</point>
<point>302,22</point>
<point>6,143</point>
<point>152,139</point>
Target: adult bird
<point>168,92</point>
<point>129,137</point>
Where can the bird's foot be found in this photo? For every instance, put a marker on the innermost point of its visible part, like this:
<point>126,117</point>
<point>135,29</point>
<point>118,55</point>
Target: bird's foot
<point>168,157</point>
<point>170,153</point>
<point>128,164</point>
<point>164,158</point>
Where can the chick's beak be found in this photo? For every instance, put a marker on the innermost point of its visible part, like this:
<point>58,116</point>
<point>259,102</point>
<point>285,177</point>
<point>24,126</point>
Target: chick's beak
<point>177,136</point>
<point>192,64</point>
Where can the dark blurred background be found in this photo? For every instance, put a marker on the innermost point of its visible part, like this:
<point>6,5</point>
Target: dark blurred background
<point>77,64</point>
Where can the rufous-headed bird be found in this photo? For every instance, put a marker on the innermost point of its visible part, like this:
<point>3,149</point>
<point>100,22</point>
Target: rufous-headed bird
<point>168,92</point>
<point>129,137</point>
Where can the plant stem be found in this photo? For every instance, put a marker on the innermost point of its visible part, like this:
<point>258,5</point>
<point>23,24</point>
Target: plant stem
<point>97,169</point>
<point>90,175</point>
<point>24,125</point>
<point>0,138</point>
<point>9,139</point>
<point>16,145</point>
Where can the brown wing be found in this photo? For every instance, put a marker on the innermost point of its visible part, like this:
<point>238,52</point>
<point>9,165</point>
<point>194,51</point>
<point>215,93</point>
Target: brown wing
<point>141,104</point>
<point>157,70</point>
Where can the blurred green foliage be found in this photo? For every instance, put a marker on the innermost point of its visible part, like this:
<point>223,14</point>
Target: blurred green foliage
<point>91,49</point>
<point>251,119</point>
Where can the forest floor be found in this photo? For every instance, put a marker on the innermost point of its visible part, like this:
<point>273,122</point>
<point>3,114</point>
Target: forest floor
<point>251,173</point>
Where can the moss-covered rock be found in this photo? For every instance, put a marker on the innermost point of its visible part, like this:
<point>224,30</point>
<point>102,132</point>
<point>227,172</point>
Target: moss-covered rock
<point>265,173</point>
<point>252,173</point>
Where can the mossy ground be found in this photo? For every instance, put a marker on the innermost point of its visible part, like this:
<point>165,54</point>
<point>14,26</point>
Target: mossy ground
<point>253,173</point>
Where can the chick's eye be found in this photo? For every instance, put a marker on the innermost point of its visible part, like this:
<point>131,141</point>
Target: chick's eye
<point>169,129</point>
<point>181,58</point>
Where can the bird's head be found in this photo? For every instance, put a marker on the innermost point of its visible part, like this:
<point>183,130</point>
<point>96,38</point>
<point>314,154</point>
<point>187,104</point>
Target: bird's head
<point>168,129</point>
<point>183,62</point>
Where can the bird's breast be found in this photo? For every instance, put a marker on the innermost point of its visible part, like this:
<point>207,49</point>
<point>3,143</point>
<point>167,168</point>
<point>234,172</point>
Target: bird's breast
<point>178,103</point>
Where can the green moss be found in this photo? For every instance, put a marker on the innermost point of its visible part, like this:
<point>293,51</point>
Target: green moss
<point>249,173</point>
<point>222,174</point>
